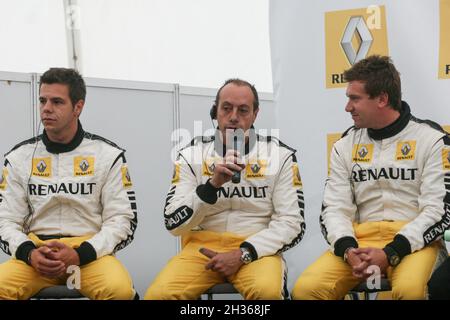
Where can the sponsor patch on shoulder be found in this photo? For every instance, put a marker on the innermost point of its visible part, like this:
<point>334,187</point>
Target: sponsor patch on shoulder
<point>297,180</point>
<point>126,179</point>
<point>446,159</point>
<point>3,179</point>
<point>176,173</point>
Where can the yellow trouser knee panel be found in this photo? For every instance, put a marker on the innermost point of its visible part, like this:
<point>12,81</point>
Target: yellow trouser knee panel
<point>330,277</point>
<point>19,281</point>
<point>104,278</point>
<point>255,282</point>
<point>409,279</point>
<point>193,280</point>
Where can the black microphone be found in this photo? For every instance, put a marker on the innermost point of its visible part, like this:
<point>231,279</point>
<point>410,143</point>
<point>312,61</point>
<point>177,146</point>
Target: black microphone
<point>238,142</point>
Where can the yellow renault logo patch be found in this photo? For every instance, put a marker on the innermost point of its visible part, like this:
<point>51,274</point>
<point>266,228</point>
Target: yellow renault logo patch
<point>256,169</point>
<point>362,153</point>
<point>83,166</point>
<point>3,179</point>
<point>406,150</point>
<point>176,173</point>
<point>297,180</point>
<point>208,167</point>
<point>126,179</point>
<point>42,167</point>
<point>446,159</point>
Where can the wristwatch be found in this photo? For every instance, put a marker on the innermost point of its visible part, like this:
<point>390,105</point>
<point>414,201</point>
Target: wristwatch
<point>392,256</point>
<point>246,257</point>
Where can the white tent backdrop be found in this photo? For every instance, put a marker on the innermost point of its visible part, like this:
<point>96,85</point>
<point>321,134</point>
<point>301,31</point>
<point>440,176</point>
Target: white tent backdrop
<point>194,43</point>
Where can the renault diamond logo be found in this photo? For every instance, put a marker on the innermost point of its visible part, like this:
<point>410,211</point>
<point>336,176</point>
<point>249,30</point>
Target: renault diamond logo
<point>363,152</point>
<point>356,27</point>
<point>127,176</point>
<point>84,165</point>
<point>41,166</point>
<point>406,149</point>
<point>255,168</point>
<point>2,178</point>
<point>212,167</point>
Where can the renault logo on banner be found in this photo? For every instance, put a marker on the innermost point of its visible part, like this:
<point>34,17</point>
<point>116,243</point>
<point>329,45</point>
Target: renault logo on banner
<point>352,35</point>
<point>356,27</point>
<point>444,49</point>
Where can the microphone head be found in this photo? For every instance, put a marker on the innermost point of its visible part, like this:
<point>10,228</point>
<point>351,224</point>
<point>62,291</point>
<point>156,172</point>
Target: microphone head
<point>238,145</point>
<point>238,139</point>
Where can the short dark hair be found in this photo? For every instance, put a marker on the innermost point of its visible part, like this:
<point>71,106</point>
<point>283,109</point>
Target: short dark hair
<point>69,77</point>
<point>239,82</point>
<point>379,75</point>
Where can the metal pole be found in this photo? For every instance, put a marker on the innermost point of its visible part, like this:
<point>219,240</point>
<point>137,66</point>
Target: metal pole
<point>72,14</point>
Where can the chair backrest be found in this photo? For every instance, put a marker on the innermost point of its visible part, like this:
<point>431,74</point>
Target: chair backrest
<point>366,290</point>
<point>58,292</point>
<point>221,288</point>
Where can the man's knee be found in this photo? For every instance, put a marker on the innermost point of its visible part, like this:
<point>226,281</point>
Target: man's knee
<point>6,294</point>
<point>113,290</point>
<point>264,289</point>
<point>409,291</point>
<point>14,293</point>
<point>312,288</point>
<point>164,291</point>
<point>304,289</point>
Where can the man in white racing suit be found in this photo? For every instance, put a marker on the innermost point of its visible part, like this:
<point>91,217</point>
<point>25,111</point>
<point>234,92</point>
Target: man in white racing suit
<point>385,203</point>
<point>235,230</point>
<point>65,200</point>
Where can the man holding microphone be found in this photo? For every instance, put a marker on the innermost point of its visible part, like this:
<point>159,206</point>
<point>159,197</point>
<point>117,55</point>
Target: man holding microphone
<point>233,228</point>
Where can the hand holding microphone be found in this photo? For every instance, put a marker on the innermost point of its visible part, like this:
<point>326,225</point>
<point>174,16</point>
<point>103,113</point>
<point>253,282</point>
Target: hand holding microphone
<point>231,166</point>
<point>227,169</point>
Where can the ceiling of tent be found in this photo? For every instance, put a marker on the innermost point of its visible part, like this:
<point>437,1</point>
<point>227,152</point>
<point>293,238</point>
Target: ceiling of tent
<point>193,43</point>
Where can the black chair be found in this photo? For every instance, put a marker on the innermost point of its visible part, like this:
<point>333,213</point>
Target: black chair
<point>366,291</point>
<point>221,288</point>
<point>58,292</point>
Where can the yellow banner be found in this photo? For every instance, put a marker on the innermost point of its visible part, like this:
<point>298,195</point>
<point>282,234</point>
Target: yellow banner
<point>444,49</point>
<point>352,35</point>
<point>331,139</point>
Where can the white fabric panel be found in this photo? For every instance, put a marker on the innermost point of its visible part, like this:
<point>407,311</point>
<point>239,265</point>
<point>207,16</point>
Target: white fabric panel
<point>32,34</point>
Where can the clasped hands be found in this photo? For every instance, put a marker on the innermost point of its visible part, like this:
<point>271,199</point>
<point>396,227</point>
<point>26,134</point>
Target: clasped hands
<point>53,259</point>
<point>360,259</point>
